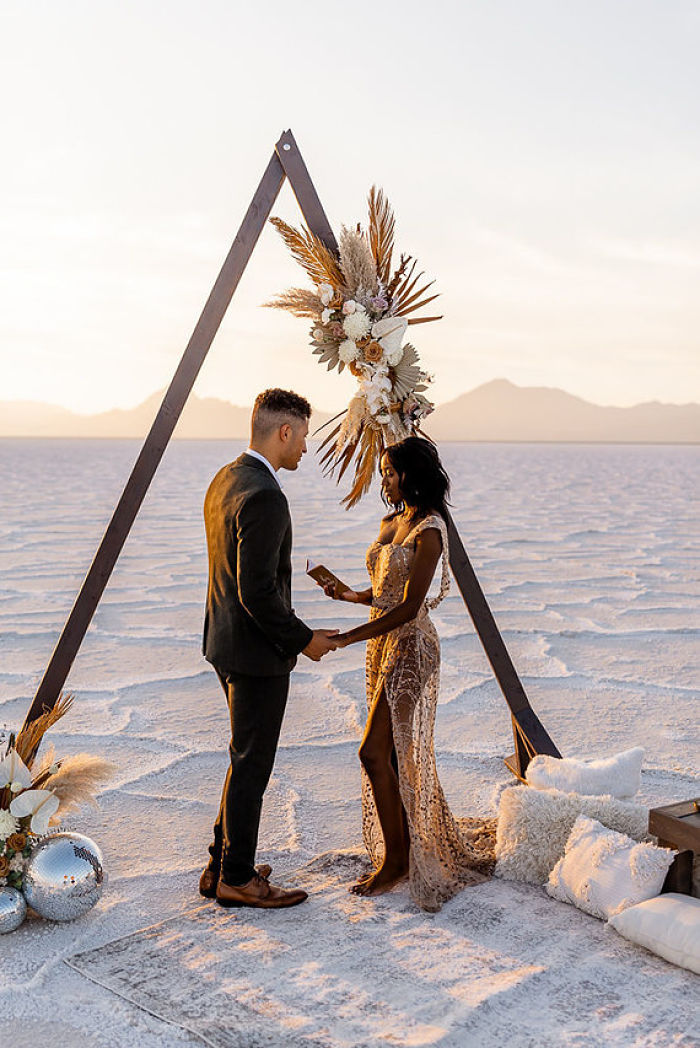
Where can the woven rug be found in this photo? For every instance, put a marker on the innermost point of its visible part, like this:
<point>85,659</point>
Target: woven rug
<point>501,964</point>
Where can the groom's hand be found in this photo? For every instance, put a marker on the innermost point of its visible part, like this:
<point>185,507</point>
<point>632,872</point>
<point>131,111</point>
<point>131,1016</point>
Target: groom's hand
<point>320,644</point>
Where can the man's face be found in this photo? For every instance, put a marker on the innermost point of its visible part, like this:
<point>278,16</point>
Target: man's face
<point>293,436</point>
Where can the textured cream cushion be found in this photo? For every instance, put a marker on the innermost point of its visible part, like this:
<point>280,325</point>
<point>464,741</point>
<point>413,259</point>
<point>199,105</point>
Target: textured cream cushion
<point>603,872</point>
<point>668,925</point>
<point>534,826</point>
<point>619,775</point>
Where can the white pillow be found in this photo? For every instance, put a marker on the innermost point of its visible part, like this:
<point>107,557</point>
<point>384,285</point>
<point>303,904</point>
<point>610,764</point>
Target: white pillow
<point>619,775</point>
<point>668,925</point>
<point>603,872</point>
<point>534,826</point>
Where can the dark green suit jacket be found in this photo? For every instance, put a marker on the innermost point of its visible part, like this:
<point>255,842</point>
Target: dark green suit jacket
<point>250,626</point>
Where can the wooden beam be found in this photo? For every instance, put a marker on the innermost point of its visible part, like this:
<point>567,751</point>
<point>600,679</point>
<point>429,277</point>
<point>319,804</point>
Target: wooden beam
<point>529,734</point>
<point>157,440</point>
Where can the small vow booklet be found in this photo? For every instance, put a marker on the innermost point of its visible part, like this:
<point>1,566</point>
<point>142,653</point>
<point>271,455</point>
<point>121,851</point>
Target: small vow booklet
<point>323,576</point>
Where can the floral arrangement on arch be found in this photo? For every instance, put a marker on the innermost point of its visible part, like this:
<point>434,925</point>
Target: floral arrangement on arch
<point>34,792</point>
<point>360,312</point>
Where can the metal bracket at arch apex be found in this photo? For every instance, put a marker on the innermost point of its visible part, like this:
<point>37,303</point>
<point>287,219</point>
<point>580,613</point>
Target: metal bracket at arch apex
<point>287,163</point>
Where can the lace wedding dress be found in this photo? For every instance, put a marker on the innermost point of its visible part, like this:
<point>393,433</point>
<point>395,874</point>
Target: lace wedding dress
<point>446,853</point>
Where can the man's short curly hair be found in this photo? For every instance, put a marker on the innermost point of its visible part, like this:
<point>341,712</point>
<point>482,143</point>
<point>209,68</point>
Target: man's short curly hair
<point>274,407</point>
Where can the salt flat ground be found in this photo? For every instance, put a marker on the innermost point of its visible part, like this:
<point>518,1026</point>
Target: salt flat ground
<point>589,557</point>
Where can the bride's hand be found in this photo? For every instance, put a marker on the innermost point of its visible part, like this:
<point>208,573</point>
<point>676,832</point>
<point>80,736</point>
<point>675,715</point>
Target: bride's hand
<point>331,590</point>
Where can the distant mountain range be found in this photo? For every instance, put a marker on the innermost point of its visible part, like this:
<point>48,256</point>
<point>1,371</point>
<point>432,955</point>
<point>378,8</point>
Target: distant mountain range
<point>496,411</point>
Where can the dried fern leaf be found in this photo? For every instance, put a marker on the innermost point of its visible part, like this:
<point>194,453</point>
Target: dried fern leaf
<point>399,274</point>
<point>311,253</point>
<point>423,320</point>
<point>381,232</point>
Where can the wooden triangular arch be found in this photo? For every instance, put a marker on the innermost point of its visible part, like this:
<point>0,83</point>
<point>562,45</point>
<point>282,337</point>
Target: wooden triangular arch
<point>285,162</point>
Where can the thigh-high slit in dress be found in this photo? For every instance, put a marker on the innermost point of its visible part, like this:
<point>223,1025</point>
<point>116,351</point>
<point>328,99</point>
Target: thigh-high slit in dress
<point>446,853</point>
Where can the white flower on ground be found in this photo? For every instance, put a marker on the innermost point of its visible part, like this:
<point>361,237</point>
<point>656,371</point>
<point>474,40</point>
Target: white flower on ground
<point>326,316</point>
<point>13,769</point>
<point>8,824</point>
<point>325,293</point>
<point>356,325</point>
<point>390,333</point>
<point>349,306</point>
<point>347,351</point>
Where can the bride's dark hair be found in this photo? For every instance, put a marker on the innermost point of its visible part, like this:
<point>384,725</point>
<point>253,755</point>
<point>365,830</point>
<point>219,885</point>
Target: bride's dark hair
<point>423,483</point>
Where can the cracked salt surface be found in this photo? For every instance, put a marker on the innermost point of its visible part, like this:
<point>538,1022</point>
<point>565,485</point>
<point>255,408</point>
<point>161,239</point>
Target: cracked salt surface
<point>589,559</point>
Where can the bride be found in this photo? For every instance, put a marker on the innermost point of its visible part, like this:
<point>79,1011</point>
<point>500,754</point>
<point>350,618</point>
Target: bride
<point>407,826</point>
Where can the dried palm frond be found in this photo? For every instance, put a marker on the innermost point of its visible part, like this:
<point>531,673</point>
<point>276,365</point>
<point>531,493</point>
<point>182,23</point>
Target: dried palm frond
<point>423,320</point>
<point>29,738</point>
<point>77,779</point>
<point>357,263</point>
<point>327,353</point>
<point>311,253</point>
<point>407,374</point>
<point>381,232</point>
<point>371,446</point>
<point>299,301</point>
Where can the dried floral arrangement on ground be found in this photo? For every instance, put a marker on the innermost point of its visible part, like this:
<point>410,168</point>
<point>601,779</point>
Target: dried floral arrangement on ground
<point>361,311</point>
<point>35,793</point>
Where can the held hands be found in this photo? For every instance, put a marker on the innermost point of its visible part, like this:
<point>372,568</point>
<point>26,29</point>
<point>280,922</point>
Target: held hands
<point>321,643</point>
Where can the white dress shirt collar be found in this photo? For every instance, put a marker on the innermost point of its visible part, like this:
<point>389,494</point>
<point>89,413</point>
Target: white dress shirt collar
<point>261,458</point>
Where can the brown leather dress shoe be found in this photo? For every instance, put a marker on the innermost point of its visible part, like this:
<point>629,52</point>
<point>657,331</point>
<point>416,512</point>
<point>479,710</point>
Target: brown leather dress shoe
<point>210,878</point>
<point>258,892</point>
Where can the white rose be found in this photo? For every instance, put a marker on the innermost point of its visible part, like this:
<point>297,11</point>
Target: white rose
<point>349,306</point>
<point>356,325</point>
<point>325,293</point>
<point>389,332</point>
<point>318,334</point>
<point>325,316</point>
<point>347,351</point>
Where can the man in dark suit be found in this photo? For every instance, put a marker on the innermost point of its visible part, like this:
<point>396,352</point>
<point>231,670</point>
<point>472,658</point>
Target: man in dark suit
<point>252,637</point>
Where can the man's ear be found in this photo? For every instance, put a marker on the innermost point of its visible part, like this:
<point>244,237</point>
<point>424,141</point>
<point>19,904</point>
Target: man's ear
<point>285,432</point>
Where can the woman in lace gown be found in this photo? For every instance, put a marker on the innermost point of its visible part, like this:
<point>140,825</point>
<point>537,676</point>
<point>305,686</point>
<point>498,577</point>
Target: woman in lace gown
<point>407,825</point>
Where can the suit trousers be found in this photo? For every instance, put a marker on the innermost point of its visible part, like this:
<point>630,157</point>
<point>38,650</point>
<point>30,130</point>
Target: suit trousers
<point>256,706</point>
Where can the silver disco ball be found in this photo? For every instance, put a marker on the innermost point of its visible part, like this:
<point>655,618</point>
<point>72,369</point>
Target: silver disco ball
<point>13,909</point>
<point>64,876</point>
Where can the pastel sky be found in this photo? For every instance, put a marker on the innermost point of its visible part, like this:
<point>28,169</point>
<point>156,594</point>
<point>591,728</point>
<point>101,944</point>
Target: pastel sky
<point>543,159</point>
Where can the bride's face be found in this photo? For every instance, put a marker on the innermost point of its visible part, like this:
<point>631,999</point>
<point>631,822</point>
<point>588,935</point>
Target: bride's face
<point>390,482</point>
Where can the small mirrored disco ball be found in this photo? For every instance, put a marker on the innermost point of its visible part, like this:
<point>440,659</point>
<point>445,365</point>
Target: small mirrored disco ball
<point>64,877</point>
<point>13,909</point>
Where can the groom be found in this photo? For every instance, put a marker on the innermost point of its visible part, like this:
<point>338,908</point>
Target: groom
<point>252,637</point>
